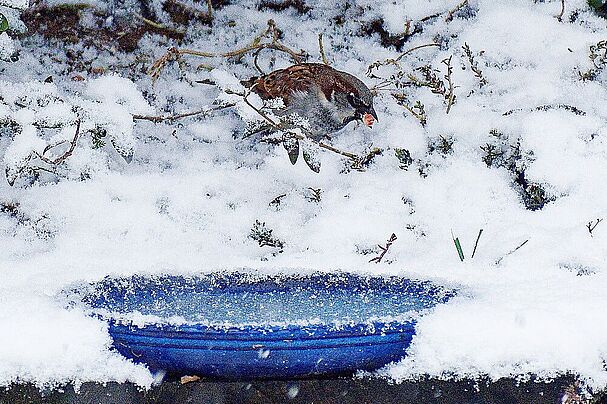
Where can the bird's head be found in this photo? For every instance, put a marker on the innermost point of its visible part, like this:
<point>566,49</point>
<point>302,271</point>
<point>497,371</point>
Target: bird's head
<point>363,109</point>
<point>355,101</point>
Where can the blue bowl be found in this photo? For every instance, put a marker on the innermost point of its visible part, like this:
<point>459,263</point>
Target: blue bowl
<point>249,326</point>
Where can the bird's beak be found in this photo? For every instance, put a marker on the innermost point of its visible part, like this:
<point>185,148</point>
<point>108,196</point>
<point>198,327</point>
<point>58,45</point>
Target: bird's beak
<point>369,118</point>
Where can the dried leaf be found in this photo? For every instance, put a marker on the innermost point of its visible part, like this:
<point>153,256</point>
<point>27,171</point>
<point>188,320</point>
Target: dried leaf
<point>189,379</point>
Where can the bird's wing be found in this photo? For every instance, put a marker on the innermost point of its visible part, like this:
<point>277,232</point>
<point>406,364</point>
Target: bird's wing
<point>301,78</point>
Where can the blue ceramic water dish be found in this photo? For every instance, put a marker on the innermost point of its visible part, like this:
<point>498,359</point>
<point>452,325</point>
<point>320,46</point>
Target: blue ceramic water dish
<point>246,326</point>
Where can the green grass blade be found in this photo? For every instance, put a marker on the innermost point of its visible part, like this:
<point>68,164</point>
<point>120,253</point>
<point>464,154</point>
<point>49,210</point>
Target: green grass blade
<point>3,23</point>
<point>458,247</point>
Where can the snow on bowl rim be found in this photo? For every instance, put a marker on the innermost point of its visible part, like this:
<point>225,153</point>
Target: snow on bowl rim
<point>95,298</point>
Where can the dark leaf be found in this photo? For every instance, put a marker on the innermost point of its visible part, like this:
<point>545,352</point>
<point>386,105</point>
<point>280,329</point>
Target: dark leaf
<point>3,23</point>
<point>292,148</point>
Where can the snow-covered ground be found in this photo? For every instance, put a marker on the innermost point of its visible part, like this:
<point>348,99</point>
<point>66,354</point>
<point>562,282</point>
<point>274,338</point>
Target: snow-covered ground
<point>182,196</point>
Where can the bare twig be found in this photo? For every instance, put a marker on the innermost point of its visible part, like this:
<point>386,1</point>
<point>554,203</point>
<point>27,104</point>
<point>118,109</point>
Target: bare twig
<point>158,26</point>
<point>592,225</point>
<point>210,9</point>
<point>451,13</point>
<point>384,249</point>
<point>322,50</point>
<point>276,201</point>
<point>402,55</point>
<point>204,111</point>
<point>476,243</point>
<point>67,153</point>
<point>256,44</point>
<point>395,61</point>
<point>255,57</point>
<point>559,17</point>
<point>511,252</point>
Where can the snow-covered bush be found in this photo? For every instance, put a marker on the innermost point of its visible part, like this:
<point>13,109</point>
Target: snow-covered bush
<point>45,124</point>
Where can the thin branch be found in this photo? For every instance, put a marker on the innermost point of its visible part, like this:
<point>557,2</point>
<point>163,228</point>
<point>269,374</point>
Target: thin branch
<point>256,44</point>
<point>210,9</point>
<point>395,61</point>
<point>384,249</point>
<point>65,155</point>
<point>559,17</point>
<point>511,252</point>
<point>451,95</point>
<point>322,50</point>
<point>476,243</point>
<point>592,225</point>
<point>204,111</point>
<point>402,55</point>
<point>420,114</point>
<point>451,13</point>
<point>158,26</point>
<point>255,56</point>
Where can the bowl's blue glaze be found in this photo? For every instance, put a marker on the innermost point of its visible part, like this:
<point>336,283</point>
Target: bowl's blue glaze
<point>243,326</point>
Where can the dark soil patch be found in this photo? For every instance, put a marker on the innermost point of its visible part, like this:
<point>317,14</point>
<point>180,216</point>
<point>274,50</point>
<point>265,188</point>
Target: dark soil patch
<point>63,23</point>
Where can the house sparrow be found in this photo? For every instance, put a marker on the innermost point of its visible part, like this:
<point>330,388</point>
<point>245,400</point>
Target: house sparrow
<point>328,99</point>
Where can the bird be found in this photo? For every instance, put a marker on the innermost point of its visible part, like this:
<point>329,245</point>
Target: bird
<point>327,98</point>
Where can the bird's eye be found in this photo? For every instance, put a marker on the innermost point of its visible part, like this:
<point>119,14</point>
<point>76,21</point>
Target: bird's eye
<point>355,101</point>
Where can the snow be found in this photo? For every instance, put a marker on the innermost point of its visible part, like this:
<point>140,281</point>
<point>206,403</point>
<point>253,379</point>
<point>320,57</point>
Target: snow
<point>7,47</point>
<point>187,200</point>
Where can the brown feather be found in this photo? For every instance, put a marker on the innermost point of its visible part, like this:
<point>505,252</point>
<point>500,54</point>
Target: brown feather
<point>300,78</point>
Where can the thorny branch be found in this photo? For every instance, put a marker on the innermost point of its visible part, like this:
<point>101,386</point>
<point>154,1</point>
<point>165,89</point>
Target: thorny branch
<point>592,225</point>
<point>271,32</point>
<point>384,249</point>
